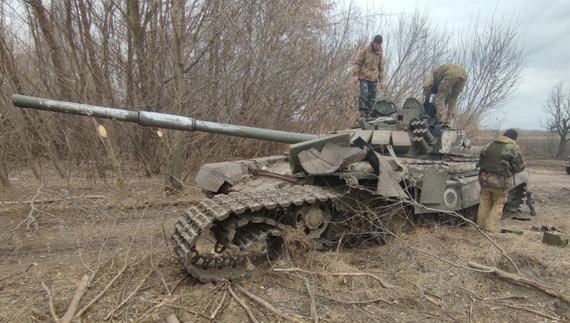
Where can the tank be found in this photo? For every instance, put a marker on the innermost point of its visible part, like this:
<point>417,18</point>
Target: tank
<point>352,186</point>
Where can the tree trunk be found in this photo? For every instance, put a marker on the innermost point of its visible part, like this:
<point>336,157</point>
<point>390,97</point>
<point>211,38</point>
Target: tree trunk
<point>174,175</point>
<point>57,60</point>
<point>3,176</point>
<point>114,161</point>
<point>562,146</point>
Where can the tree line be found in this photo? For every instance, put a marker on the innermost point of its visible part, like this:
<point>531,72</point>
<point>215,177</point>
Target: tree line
<point>277,64</point>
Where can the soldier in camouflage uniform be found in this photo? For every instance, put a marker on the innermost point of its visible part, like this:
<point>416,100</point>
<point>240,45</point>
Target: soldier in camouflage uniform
<point>369,71</point>
<point>446,82</point>
<point>500,160</point>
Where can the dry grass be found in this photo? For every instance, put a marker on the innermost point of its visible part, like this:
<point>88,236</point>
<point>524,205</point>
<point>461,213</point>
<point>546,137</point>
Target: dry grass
<point>419,276</point>
<point>533,143</point>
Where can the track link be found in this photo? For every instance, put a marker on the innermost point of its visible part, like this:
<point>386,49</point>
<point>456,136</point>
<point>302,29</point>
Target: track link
<point>237,221</point>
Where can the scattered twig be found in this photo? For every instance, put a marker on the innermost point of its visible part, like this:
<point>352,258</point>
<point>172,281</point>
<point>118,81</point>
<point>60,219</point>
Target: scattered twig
<point>471,309</point>
<point>270,307</point>
<point>502,298</point>
<point>50,301</point>
<point>94,271</point>
<point>523,280</point>
<point>215,312</point>
<point>159,273</point>
<point>554,318</point>
<point>247,309</point>
<point>458,215</point>
<point>432,300</point>
<point>313,305</point>
<point>54,200</point>
<point>96,298</point>
<point>30,218</point>
<point>367,301</point>
<point>154,308</point>
<point>125,266</point>
<point>23,272</point>
<point>128,298</point>
<point>378,279</point>
<point>339,242</point>
<point>70,314</point>
<point>178,283</point>
<point>435,256</point>
<point>493,298</point>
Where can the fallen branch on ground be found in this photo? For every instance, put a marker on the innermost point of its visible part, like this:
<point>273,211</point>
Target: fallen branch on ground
<point>384,284</point>
<point>270,307</point>
<point>154,308</point>
<point>132,294</point>
<point>458,215</point>
<point>219,307</point>
<point>247,309</point>
<point>75,301</point>
<point>554,318</point>
<point>432,300</point>
<point>368,301</point>
<point>313,305</point>
<point>50,300</point>
<point>523,280</point>
<point>54,200</point>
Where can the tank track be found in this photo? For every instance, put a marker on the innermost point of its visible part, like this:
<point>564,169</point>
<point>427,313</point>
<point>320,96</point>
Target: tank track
<point>237,222</point>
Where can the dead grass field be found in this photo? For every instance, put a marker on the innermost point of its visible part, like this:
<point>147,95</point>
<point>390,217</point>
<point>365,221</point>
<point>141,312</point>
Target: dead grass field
<point>56,233</point>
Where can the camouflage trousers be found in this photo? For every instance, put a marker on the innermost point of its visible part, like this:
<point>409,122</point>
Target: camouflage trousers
<point>491,204</point>
<point>367,95</point>
<point>447,92</point>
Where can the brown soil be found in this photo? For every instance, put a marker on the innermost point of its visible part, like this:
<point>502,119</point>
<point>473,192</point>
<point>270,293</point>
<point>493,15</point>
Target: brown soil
<point>56,233</point>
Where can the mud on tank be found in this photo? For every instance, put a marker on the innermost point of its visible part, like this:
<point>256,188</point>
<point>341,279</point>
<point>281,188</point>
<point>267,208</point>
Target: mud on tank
<point>396,167</point>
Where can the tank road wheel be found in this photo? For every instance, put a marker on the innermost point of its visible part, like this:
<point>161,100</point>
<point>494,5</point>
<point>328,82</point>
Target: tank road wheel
<point>313,219</point>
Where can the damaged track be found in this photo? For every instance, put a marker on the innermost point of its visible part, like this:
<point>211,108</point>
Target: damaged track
<point>247,228</point>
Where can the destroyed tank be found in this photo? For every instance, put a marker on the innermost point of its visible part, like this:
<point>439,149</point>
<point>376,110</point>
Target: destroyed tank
<point>344,187</point>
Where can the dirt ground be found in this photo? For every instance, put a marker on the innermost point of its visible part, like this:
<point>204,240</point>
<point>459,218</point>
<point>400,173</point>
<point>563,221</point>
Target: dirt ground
<point>63,231</point>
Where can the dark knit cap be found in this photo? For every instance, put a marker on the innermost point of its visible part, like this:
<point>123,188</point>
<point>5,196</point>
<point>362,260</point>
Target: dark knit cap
<point>378,39</point>
<point>511,133</point>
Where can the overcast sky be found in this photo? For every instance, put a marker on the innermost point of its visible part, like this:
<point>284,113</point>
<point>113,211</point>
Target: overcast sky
<point>544,31</point>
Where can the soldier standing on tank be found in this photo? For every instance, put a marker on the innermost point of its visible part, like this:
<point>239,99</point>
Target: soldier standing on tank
<point>446,81</point>
<point>369,71</point>
<point>499,161</point>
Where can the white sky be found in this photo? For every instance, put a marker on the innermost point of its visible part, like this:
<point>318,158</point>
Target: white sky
<point>544,31</point>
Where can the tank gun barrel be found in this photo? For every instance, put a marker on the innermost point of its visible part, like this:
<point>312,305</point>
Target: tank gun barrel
<point>160,120</point>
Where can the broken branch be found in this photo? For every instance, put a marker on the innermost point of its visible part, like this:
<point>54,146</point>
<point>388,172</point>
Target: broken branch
<point>378,279</point>
<point>270,307</point>
<point>50,300</point>
<point>215,312</point>
<point>523,280</point>
<point>75,301</point>
<point>247,309</point>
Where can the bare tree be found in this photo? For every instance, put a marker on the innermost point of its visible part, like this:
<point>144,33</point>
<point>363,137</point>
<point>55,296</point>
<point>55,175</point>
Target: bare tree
<point>491,52</point>
<point>557,110</point>
<point>413,47</point>
<point>278,64</point>
<point>494,58</point>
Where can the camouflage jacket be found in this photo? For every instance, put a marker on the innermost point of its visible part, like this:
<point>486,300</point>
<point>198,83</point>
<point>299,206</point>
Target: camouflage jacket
<point>500,173</point>
<point>369,65</point>
<point>449,70</point>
